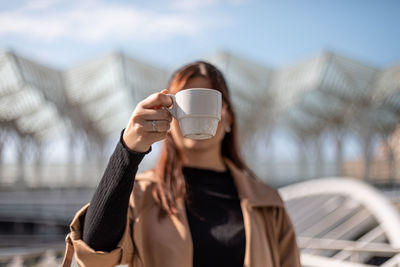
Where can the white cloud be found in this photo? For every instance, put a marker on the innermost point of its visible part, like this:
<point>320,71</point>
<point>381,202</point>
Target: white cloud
<point>192,4</point>
<point>39,4</point>
<point>196,4</point>
<point>93,21</point>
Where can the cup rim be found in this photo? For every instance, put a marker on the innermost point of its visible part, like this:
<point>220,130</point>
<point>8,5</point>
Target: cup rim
<point>198,89</point>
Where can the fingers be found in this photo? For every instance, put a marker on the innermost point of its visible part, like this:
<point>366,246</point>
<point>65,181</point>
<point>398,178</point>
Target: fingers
<point>141,132</point>
<point>157,99</point>
<point>156,126</point>
<point>153,114</point>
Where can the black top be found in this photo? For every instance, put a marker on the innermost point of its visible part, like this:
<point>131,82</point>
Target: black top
<point>213,210</point>
<point>215,218</point>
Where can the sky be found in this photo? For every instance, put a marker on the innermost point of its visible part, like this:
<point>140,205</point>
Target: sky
<point>63,34</point>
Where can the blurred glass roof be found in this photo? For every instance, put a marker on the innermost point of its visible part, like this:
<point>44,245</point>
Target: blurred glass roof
<point>97,97</point>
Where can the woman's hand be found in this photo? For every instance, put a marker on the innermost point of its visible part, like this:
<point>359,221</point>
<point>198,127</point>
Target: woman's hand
<point>149,122</point>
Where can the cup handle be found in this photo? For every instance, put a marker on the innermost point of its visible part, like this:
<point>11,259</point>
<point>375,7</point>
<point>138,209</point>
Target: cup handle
<point>172,110</point>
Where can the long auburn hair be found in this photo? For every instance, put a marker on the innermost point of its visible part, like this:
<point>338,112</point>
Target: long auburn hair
<point>171,184</point>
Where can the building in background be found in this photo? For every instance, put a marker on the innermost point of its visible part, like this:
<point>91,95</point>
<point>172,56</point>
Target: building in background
<point>296,122</point>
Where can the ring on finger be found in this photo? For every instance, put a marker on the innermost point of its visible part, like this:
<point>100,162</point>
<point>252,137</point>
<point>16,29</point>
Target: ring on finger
<point>154,123</point>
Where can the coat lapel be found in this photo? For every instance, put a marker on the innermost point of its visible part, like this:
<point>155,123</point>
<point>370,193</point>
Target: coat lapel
<point>254,194</point>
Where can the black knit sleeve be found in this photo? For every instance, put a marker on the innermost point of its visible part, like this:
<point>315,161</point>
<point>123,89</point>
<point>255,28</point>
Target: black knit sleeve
<point>105,219</point>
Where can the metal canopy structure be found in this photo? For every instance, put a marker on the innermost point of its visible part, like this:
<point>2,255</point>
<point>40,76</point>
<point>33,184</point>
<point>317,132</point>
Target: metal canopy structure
<point>105,91</point>
<point>343,221</point>
<point>32,98</point>
<point>249,83</point>
<point>97,97</point>
<point>94,100</point>
<point>85,106</point>
<point>325,86</point>
<point>325,97</point>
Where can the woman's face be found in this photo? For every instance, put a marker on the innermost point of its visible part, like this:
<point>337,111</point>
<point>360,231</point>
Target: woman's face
<point>190,144</point>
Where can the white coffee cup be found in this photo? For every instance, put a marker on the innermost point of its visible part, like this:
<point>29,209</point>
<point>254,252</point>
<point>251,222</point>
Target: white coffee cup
<point>198,111</point>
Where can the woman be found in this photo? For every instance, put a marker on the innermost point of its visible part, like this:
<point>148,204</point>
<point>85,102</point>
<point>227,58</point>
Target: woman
<point>200,206</point>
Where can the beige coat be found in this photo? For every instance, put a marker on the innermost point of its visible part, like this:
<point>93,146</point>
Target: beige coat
<point>148,242</point>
